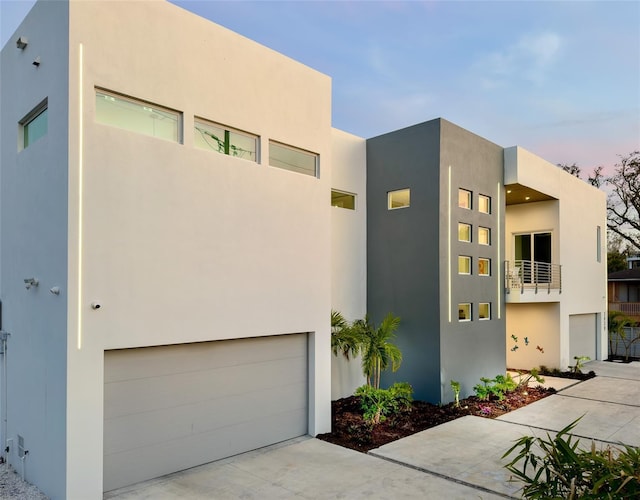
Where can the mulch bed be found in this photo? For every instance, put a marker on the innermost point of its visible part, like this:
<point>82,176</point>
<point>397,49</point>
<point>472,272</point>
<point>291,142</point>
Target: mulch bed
<point>351,431</point>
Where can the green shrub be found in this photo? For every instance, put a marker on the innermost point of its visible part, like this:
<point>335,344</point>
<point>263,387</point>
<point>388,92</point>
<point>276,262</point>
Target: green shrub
<point>497,387</point>
<point>564,471</point>
<point>377,404</point>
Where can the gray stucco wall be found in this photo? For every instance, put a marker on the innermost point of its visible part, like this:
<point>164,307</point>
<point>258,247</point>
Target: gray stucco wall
<point>412,254</point>
<point>403,250</point>
<point>33,243</point>
<point>470,350</point>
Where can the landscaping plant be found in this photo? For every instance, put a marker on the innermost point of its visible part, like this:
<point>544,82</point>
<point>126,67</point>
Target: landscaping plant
<point>378,353</point>
<point>497,387</point>
<point>580,360</point>
<point>345,339</point>
<point>455,387</point>
<point>557,468</point>
<point>377,404</point>
<point>618,323</point>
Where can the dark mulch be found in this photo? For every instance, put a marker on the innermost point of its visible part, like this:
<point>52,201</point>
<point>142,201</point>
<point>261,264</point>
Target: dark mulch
<point>351,431</point>
<point>559,374</point>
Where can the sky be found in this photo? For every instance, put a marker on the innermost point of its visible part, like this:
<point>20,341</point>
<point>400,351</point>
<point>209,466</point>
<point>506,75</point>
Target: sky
<point>559,78</point>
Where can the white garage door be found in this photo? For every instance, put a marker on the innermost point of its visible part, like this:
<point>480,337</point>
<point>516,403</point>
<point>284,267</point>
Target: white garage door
<point>173,407</point>
<point>582,335</point>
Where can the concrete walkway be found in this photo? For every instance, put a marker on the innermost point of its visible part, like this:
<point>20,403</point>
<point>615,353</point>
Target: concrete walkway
<point>456,460</point>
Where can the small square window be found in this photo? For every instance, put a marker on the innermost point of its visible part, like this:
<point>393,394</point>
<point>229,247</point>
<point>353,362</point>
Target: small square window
<point>464,199</point>
<point>464,312</point>
<point>484,236</point>
<point>34,126</point>
<point>484,310</point>
<point>464,264</point>
<point>343,200</point>
<point>398,199</point>
<point>464,232</point>
<point>484,267</point>
<point>484,204</point>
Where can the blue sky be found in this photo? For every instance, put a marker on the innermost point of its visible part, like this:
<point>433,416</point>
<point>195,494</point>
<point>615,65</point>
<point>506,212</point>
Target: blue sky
<point>560,78</point>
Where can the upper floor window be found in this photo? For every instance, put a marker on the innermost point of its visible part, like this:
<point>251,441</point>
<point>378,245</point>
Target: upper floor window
<point>398,199</point>
<point>464,311</point>
<point>484,267</point>
<point>138,116</point>
<point>222,139</point>
<point>484,310</point>
<point>464,232</point>
<point>34,125</point>
<point>484,204</point>
<point>599,244</point>
<point>464,198</point>
<point>343,200</point>
<point>294,159</point>
<point>484,236</point>
<point>464,264</point>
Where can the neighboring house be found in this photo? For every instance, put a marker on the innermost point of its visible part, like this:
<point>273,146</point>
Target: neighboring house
<point>169,256</point>
<point>624,291</point>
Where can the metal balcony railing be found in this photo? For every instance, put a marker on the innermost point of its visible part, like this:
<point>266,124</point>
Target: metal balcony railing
<point>531,275</point>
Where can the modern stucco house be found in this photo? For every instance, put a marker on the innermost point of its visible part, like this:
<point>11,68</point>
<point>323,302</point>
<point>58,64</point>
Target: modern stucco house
<point>169,256</point>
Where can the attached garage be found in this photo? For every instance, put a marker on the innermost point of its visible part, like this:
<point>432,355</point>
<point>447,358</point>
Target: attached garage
<point>173,407</point>
<point>582,336</point>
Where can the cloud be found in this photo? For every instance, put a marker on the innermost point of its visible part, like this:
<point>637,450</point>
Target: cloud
<point>529,59</point>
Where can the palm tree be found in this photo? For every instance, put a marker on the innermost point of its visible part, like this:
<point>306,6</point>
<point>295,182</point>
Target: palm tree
<point>344,338</point>
<point>377,350</point>
<point>618,323</point>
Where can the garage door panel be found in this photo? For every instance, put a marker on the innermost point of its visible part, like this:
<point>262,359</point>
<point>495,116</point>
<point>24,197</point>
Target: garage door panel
<point>176,413</point>
<point>152,393</point>
<point>160,459</point>
<point>172,359</point>
<point>582,335</point>
<point>174,423</point>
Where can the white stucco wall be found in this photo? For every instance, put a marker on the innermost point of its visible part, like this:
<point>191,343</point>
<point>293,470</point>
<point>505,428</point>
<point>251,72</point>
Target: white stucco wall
<point>179,244</point>
<point>581,209</point>
<point>33,244</point>
<point>348,251</point>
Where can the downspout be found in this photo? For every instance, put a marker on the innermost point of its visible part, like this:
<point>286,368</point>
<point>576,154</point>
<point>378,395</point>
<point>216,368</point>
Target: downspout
<point>3,392</point>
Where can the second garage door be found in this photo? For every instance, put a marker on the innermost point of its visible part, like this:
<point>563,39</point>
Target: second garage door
<point>173,407</point>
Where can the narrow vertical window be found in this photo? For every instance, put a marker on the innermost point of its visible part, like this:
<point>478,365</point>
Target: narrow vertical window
<point>464,199</point>
<point>341,199</point>
<point>464,264</point>
<point>464,232</point>
<point>398,199</point>
<point>464,312</point>
<point>484,310</point>
<point>484,204</point>
<point>34,125</point>
<point>484,267</point>
<point>599,244</point>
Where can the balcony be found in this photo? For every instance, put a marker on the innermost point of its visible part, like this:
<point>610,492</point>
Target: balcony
<point>532,281</point>
<point>631,309</point>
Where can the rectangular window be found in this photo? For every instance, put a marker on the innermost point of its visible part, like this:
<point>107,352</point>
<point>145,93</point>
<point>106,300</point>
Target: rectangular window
<point>484,310</point>
<point>464,264</point>
<point>464,232</point>
<point>294,159</point>
<point>484,204</point>
<point>464,312</point>
<point>214,137</point>
<point>484,267</point>
<point>484,236</point>
<point>464,198</point>
<point>599,243</point>
<point>343,200</point>
<point>35,125</point>
<point>138,116</point>
<point>398,199</point>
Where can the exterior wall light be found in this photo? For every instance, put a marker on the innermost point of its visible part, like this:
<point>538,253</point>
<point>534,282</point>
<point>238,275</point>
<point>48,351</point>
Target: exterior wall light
<point>22,42</point>
<point>29,282</point>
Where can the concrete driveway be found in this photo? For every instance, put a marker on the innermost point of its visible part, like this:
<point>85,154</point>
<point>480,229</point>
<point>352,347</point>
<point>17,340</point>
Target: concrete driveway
<point>456,460</point>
